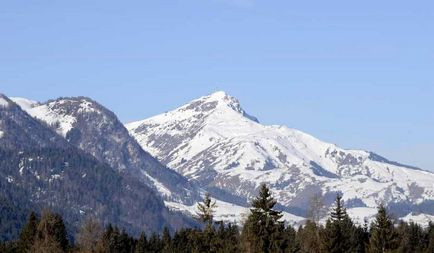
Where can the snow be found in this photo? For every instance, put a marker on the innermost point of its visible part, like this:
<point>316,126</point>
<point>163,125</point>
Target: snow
<point>3,102</point>
<point>47,113</point>
<point>24,103</point>
<point>10,179</point>
<point>213,133</point>
<point>229,212</point>
<point>158,185</point>
<point>422,219</point>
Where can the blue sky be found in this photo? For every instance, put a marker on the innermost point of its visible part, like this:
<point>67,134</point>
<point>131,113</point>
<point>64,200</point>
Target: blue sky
<point>358,74</point>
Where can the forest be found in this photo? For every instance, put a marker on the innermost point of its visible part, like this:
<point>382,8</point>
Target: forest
<point>263,230</point>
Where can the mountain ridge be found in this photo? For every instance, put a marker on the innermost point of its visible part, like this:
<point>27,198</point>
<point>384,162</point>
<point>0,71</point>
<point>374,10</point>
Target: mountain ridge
<point>213,143</point>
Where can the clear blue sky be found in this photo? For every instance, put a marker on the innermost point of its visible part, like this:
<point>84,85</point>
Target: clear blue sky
<point>356,73</point>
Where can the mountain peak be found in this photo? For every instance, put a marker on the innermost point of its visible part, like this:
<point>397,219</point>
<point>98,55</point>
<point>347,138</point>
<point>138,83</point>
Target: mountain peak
<point>219,99</point>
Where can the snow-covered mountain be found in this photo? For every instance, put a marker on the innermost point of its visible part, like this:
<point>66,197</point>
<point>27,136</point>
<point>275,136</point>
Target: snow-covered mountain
<point>39,169</point>
<point>96,130</point>
<point>214,142</point>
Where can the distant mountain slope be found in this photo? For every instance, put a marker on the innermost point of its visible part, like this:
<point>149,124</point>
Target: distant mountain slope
<point>94,129</point>
<point>213,141</point>
<point>39,169</point>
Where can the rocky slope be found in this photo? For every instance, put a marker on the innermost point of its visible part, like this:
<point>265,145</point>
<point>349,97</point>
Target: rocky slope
<point>40,169</point>
<point>94,129</point>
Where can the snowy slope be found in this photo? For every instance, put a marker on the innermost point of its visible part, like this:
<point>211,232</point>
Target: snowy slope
<point>94,129</point>
<point>214,142</point>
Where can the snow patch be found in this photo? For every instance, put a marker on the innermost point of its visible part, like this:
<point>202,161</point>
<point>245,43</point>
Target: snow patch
<point>3,102</point>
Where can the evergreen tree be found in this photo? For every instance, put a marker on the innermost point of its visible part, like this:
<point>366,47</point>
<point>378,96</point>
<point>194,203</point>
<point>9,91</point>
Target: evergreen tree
<point>308,237</point>
<point>430,238</point>
<point>205,212</point>
<point>291,243</point>
<point>28,233</point>
<point>142,244</point>
<point>154,243</point>
<point>339,233</point>
<point>262,231</point>
<point>166,241</point>
<point>383,235</point>
<point>411,237</point>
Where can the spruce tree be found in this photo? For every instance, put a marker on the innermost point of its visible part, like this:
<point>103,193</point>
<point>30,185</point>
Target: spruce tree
<point>383,235</point>
<point>430,238</point>
<point>142,244</point>
<point>339,234</point>
<point>205,213</point>
<point>262,231</point>
<point>308,237</point>
<point>166,241</point>
<point>28,233</point>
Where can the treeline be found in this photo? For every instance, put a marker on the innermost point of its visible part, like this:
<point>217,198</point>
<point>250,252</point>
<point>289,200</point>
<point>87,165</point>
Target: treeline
<point>262,231</point>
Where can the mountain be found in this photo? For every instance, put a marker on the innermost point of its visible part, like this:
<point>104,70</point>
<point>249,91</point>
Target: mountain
<point>40,169</point>
<point>96,130</point>
<point>214,142</point>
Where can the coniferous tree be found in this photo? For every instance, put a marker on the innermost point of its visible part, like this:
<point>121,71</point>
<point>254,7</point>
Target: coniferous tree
<point>154,243</point>
<point>166,240</point>
<point>430,238</point>
<point>28,233</point>
<point>142,244</point>
<point>411,237</point>
<point>339,233</point>
<point>291,243</point>
<point>205,213</point>
<point>383,235</point>
<point>308,237</point>
<point>262,230</point>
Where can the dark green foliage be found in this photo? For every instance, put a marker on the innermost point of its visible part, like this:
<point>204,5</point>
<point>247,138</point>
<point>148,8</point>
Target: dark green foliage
<point>142,244</point>
<point>263,229</point>
<point>383,236</point>
<point>339,233</point>
<point>28,233</point>
<point>263,232</point>
<point>67,181</point>
<point>205,212</point>
<point>412,238</point>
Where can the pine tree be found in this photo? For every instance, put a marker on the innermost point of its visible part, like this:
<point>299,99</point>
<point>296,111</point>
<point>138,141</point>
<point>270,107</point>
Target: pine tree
<point>383,235</point>
<point>308,237</point>
<point>154,243</point>
<point>28,233</point>
<point>430,238</point>
<point>262,231</point>
<point>411,237</point>
<point>142,244</point>
<point>291,243</point>
<point>166,240</point>
<point>205,212</point>
<point>339,233</point>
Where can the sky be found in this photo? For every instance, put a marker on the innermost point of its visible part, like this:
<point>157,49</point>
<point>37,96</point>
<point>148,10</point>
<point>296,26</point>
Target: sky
<point>359,74</point>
